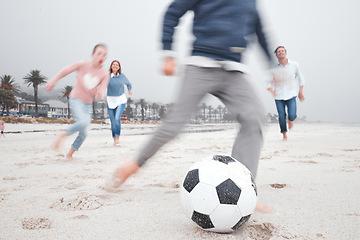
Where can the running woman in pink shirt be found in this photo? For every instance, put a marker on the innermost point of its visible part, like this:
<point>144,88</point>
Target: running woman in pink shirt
<point>91,80</point>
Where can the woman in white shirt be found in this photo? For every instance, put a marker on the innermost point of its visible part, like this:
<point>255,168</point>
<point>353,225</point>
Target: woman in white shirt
<point>116,99</point>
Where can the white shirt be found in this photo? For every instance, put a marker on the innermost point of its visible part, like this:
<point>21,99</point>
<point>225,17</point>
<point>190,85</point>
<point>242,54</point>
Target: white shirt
<point>200,61</point>
<point>114,101</point>
<point>286,80</point>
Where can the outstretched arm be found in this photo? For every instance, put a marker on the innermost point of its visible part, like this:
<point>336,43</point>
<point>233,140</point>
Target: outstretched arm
<point>171,19</point>
<point>63,73</point>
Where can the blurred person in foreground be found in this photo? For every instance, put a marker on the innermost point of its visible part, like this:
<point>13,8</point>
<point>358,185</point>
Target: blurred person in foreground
<point>220,28</point>
<point>287,83</point>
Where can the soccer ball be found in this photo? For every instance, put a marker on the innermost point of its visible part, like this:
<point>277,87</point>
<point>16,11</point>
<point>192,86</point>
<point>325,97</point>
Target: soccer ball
<point>218,194</point>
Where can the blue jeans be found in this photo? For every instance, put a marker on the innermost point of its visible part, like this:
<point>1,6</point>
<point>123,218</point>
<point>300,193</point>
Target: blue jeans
<point>115,119</point>
<point>82,114</point>
<point>291,108</point>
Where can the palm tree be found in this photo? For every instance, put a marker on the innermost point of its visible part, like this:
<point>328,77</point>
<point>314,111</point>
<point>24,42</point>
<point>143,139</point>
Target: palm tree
<point>216,112</point>
<point>143,105</point>
<point>7,100</point>
<point>103,109</point>
<point>8,83</point>
<point>65,93</point>
<point>203,106</point>
<point>35,79</point>
<point>136,108</point>
<point>220,108</point>
<point>162,111</point>
<point>209,108</point>
<point>128,109</point>
<point>8,88</point>
<point>155,107</point>
<point>94,109</point>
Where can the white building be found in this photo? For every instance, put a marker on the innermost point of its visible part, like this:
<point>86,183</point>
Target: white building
<point>57,109</point>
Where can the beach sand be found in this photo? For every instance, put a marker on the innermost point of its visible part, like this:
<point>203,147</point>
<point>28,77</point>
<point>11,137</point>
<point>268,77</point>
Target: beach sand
<point>312,181</point>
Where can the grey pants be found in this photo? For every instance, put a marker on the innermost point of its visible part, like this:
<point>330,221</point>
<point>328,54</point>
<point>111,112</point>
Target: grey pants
<point>234,90</point>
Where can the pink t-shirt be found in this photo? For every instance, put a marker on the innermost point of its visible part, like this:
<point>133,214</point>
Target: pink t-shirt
<point>89,80</point>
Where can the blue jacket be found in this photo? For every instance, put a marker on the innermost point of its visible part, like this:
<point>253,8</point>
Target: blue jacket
<point>116,85</point>
<point>219,26</point>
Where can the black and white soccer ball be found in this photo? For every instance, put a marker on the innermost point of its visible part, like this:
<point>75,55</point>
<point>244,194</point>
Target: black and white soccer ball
<point>218,194</point>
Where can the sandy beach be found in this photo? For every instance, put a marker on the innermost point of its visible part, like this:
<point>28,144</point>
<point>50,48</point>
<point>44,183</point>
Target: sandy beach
<point>312,181</point>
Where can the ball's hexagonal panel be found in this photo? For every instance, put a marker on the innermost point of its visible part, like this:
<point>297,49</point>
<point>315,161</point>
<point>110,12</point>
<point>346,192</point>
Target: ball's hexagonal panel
<point>213,173</point>
<point>224,217</point>
<point>204,198</point>
<point>239,174</point>
<point>247,201</point>
<point>186,202</point>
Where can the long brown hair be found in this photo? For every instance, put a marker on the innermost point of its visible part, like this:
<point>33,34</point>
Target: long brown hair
<point>119,72</point>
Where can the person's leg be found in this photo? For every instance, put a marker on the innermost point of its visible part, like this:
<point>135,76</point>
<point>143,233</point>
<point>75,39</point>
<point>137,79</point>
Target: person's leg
<point>83,115</point>
<point>196,83</point>
<point>239,97</point>
<point>76,109</point>
<point>291,107</point>
<point>118,113</point>
<point>111,113</point>
<point>280,106</point>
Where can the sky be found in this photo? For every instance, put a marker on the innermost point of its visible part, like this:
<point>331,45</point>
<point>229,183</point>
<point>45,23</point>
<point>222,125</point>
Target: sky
<point>322,36</point>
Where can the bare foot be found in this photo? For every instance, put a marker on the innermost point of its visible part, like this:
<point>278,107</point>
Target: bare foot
<point>59,140</point>
<point>263,208</point>
<point>284,137</point>
<point>70,158</point>
<point>69,155</point>
<point>125,170</point>
<point>116,140</point>
<point>291,124</point>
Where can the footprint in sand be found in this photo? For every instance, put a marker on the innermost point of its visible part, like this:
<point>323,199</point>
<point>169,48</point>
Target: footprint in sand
<point>82,202</point>
<point>310,161</point>
<point>352,150</point>
<point>325,155</point>
<point>278,185</point>
<point>73,185</point>
<point>260,231</point>
<point>80,217</point>
<point>9,178</point>
<point>265,157</point>
<point>36,223</point>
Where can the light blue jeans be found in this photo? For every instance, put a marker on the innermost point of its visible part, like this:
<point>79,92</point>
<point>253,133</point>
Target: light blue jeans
<point>82,114</point>
<point>115,119</point>
<point>291,108</point>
